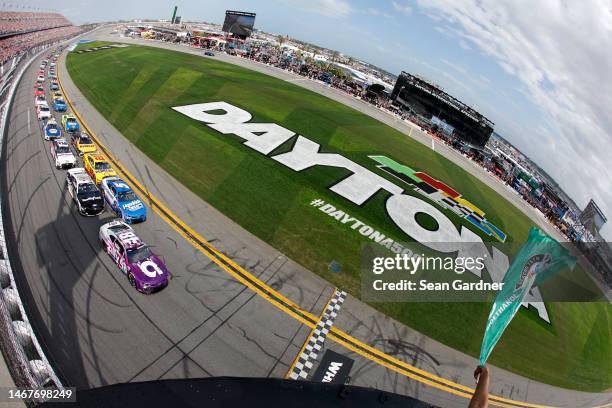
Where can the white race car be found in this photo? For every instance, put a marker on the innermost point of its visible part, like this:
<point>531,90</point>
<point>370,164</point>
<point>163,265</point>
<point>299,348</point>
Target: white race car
<point>40,100</point>
<point>43,112</point>
<point>60,150</point>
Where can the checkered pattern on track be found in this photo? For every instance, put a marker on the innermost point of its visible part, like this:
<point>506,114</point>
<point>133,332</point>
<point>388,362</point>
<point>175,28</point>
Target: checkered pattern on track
<point>315,343</point>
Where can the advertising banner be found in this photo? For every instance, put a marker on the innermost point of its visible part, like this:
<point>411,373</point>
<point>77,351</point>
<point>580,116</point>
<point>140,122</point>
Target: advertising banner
<point>334,368</point>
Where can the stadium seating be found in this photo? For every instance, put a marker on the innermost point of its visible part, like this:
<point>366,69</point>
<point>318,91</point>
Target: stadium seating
<point>20,31</point>
<point>14,22</point>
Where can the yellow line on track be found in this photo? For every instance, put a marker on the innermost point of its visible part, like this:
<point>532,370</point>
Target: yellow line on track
<point>280,301</point>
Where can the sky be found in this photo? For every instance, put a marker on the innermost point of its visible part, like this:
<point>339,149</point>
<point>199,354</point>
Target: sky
<point>540,70</point>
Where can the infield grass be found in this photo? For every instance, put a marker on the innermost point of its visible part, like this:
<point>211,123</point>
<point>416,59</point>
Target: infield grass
<point>135,88</point>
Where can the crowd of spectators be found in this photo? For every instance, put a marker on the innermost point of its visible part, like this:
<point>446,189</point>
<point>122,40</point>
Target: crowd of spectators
<point>18,22</point>
<point>302,63</point>
<point>23,31</point>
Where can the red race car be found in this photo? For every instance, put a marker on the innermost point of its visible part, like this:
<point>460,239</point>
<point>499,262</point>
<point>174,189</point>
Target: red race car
<point>39,90</point>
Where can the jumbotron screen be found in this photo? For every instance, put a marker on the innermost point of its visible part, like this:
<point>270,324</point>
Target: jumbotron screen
<point>239,23</point>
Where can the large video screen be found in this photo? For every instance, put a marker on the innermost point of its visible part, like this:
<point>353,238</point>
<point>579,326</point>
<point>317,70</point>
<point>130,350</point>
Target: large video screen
<point>239,23</point>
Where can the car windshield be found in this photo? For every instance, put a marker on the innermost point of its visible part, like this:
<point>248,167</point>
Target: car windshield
<point>71,120</point>
<point>44,109</point>
<point>51,126</point>
<point>88,191</point>
<point>62,150</point>
<point>84,140</point>
<point>126,196</point>
<point>59,101</point>
<point>117,228</point>
<point>102,166</point>
<point>139,254</point>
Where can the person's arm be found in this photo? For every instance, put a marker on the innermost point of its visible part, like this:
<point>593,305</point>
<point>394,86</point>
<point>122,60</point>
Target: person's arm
<point>480,399</point>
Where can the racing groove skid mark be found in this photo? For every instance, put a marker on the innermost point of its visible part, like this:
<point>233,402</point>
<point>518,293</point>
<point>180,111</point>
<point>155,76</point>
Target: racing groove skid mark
<point>279,300</point>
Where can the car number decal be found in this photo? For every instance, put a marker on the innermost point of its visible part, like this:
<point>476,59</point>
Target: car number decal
<point>150,269</point>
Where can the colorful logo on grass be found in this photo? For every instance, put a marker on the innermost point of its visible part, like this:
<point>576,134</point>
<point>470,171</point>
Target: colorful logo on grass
<point>440,193</point>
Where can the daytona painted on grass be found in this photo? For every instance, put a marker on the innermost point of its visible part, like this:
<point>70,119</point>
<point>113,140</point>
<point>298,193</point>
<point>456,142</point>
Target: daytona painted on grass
<point>135,89</point>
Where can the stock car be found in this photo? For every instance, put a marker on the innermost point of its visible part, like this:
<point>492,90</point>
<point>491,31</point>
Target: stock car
<point>97,167</point>
<point>40,79</point>
<point>83,144</point>
<point>40,100</point>
<point>84,193</point>
<point>62,154</point>
<point>144,270</point>
<point>70,124</point>
<point>59,105</point>
<point>121,199</point>
<point>39,90</point>
<point>54,86</point>
<point>57,94</point>
<point>52,130</point>
<point>43,112</point>
<point>209,53</point>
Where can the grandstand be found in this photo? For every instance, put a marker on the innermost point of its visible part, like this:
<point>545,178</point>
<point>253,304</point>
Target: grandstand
<point>427,101</point>
<point>20,31</point>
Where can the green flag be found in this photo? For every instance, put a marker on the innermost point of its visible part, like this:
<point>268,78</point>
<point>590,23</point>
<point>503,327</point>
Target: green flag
<point>539,258</point>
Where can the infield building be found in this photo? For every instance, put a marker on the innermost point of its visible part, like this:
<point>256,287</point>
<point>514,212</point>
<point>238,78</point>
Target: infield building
<point>455,118</point>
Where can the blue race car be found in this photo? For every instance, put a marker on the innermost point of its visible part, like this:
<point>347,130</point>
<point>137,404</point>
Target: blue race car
<point>52,130</point>
<point>54,86</point>
<point>70,123</point>
<point>122,200</point>
<point>59,105</point>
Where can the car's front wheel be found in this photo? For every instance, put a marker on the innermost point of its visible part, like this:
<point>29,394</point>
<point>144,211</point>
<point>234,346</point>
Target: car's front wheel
<point>131,279</point>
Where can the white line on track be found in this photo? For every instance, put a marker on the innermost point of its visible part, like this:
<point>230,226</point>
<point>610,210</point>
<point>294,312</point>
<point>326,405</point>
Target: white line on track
<point>29,129</point>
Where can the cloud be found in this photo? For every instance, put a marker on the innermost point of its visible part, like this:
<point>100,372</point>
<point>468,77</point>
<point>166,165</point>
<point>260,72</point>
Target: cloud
<point>565,74</point>
<point>337,8</point>
<point>376,12</point>
<point>454,66</point>
<point>328,8</point>
<point>401,8</point>
<point>463,44</point>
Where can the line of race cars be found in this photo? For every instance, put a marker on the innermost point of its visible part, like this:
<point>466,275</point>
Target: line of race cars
<point>95,186</point>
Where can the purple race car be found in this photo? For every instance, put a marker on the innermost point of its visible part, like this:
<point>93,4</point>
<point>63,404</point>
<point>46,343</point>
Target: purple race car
<point>144,270</point>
